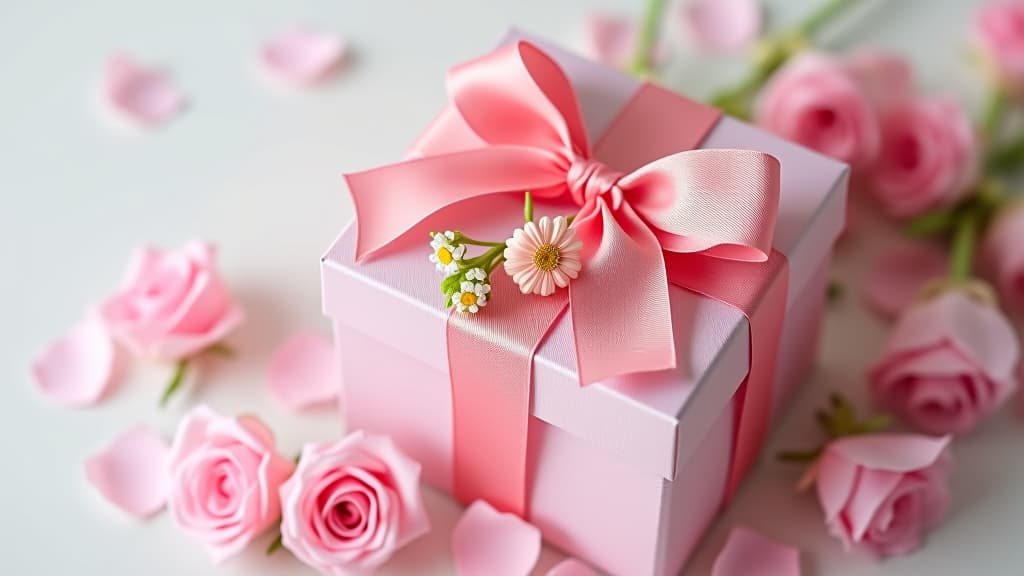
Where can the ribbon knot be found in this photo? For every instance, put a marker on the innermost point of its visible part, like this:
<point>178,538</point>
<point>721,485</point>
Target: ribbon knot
<point>588,180</point>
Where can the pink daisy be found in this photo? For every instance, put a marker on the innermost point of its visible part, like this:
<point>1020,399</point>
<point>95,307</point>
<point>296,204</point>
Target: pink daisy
<point>543,255</point>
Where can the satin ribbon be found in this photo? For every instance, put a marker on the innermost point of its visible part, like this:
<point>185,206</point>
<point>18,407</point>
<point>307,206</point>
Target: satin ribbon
<point>712,205</point>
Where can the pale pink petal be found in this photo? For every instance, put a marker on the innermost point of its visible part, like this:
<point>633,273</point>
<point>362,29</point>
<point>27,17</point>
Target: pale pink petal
<point>571,567</point>
<point>899,274</point>
<point>892,452</point>
<point>77,369</point>
<point>610,39</point>
<point>722,25</point>
<point>301,56</point>
<point>304,372</point>
<point>486,542</point>
<point>142,95</point>
<point>748,553</point>
<point>132,472</point>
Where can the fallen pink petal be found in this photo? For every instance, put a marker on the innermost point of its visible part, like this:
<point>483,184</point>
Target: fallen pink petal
<point>144,96</point>
<point>304,372</point>
<point>486,542</point>
<point>748,553</point>
<point>571,567</point>
<point>300,56</point>
<point>722,25</point>
<point>79,367</point>
<point>899,275</point>
<point>131,473</point>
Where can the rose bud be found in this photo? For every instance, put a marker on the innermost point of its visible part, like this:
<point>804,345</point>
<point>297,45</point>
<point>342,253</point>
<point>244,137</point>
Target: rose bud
<point>950,361</point>
<point>882,492</point>
<point>225,476</point>
<point>351,504</point>
<point>998,36</point>
<point>929,157</point>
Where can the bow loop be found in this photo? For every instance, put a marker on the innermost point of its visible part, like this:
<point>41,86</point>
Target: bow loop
<point>519,96</point>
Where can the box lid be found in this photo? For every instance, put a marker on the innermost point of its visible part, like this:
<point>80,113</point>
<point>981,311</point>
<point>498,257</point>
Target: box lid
<point>652,420</point>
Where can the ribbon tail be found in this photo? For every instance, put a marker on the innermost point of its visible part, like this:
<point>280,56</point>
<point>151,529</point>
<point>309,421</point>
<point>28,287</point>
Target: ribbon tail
<point>390,200</point>
<point>759,290</point>
<point>620,308</point>
<point>490,358</point>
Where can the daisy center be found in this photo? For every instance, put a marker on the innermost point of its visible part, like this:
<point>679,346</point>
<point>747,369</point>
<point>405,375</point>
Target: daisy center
<point>468,298</point>
<point>444,255</point>
<point>547,257</point>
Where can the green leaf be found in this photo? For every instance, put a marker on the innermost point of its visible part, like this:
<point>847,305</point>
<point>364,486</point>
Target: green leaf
<point>276,545</point>
<point>876,423</point>
<point>1006,158</point>
<point>176,381</point>
<point>451,284</point>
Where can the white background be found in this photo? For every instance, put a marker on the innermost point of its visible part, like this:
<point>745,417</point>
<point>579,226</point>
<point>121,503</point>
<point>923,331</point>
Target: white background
<point>256,169</point>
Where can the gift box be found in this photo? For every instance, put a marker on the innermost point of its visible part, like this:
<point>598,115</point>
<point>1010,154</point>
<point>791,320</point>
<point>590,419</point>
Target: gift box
<point>626,472</point>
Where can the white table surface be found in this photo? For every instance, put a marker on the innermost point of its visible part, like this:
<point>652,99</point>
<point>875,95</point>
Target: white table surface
<point>256,169</point>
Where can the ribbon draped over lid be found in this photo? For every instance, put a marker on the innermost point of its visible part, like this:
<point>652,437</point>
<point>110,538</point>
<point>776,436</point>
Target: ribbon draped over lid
<point>518,101</point>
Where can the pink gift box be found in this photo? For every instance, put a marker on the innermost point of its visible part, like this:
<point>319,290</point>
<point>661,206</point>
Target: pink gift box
<point>628,473</point>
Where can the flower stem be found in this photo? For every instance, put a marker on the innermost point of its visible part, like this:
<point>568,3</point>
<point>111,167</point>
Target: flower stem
<point>992,118</point>
<point>823,15</point>
<point>176,381</point>
<point>965,236</point>
<point>528,207</point>
<point>647,37</point>
<point>463,239</point>
<point>774,52</point>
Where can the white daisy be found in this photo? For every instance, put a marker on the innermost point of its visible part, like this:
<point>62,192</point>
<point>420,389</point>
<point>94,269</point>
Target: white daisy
<point>445,255</point>
<point>472,294</point>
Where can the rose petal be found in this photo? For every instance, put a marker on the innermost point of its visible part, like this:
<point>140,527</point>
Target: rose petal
<point>891,452</point>
<point>77,369</point>
<point>131,473</point>
<point>304,372</point>
<point>300,56</point>
<point>722,25</point>
<point>748,553</point>
<point>571,567</point>
<point>899,275</point>
<point>486,542</point>
<point>142,95</point>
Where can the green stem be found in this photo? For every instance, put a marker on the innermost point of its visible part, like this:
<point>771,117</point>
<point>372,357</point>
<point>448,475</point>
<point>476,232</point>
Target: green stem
<point>965,236</point>
<point>484,260</point>
<point>648,35</point>
<point>176,381</point>
<point>992,119</point>
<point>823,15</point>
<point>528,207</point>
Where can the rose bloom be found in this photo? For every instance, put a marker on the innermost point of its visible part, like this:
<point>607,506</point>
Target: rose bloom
<point>999,38</point>
<point>225,477</point>
<point>1002,255</point>
<point>950,361</point>
<point>171,304</point>
<point>882,492</point>
<point>816,100</point>
<point>351,504</point>
<point>929,157</point>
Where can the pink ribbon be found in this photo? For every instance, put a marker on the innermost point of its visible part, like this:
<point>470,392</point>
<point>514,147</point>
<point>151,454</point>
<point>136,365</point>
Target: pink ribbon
<point>520,105</point>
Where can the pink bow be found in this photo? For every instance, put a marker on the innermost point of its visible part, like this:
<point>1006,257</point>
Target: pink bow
<point>517,100</point>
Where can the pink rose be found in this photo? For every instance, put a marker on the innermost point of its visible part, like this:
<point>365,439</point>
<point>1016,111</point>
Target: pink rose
<point>1002,254</point>
<point>171,304</point>
<point>225,477</point>
<point>929,157</point>
<point>999,37</point>
<point>351,504</point>
<point>949,362</point>
<point>816,100</point>
<point>882,492</point>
